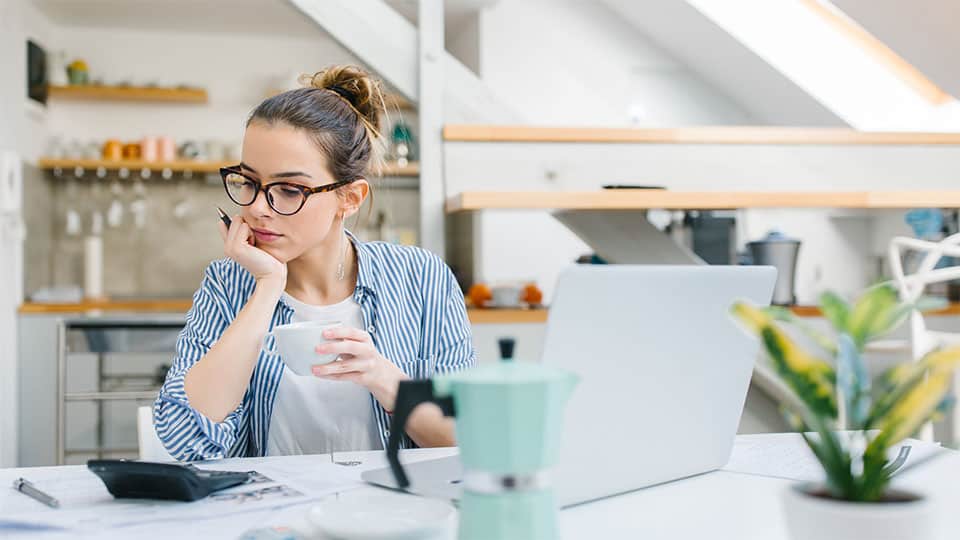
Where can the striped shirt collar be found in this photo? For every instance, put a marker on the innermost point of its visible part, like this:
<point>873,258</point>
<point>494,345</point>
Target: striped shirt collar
<point>367,271</point>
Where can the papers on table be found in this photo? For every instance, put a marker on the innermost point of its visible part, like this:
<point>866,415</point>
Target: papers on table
<point>787,456</point>
<point>86,506</point>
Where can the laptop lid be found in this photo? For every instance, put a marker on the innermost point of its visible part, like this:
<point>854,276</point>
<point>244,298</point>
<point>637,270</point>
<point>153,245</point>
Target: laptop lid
<point>664,372</point>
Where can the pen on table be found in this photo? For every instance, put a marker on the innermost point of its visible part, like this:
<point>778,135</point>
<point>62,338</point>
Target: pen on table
<point>224,217</point>
<point>28,489</point>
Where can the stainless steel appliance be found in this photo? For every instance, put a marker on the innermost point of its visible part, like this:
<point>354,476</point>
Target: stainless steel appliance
<point>779,251</point>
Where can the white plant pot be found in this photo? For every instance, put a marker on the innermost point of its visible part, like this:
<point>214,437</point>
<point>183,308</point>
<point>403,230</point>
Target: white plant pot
<point>811,517</point>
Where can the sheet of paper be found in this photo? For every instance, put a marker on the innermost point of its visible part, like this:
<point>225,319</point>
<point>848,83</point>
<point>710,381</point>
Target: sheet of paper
<point>87,506</point>
<point>787,456</point>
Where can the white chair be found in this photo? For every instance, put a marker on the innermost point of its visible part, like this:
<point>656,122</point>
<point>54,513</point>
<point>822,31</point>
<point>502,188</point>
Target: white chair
<point>911,287</point>
<point>151,449</point>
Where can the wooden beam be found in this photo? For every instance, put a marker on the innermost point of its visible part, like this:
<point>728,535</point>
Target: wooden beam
<point>746,135</point>
<point>903,70</point>
<point>627,199</point>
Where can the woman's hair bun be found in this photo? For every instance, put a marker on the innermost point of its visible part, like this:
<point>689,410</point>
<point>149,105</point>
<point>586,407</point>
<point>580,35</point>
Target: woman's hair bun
<point>356,86</point>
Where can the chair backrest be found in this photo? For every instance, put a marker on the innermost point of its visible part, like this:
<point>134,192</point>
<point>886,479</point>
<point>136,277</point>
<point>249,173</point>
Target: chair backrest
<point>911,286</point>
<point>151,449</point>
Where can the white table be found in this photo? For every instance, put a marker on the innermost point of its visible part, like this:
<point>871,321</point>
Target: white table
<point>717,505</point>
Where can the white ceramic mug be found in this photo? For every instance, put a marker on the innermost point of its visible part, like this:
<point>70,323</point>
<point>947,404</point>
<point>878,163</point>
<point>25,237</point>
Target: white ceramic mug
<point>296,344</point>
<point>505,296</point>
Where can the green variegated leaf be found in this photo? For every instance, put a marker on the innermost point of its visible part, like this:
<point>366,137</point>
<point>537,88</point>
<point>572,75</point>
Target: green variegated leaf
<point>819,338</point>
<point>811,379</point>
<point>913,409</point>
<point>870,313</point>
<point>836,310</point>
<point>853,383</point>
<point>886,324</point>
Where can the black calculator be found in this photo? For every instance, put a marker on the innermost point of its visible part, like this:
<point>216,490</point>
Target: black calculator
<point>168,481</point>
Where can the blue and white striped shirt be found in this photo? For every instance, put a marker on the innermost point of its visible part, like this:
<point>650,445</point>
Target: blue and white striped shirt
<point>412,307</point>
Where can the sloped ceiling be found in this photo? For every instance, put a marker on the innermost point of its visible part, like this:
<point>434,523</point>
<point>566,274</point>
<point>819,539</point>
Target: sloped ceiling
<point>923,32</point>
<point>721,60</point>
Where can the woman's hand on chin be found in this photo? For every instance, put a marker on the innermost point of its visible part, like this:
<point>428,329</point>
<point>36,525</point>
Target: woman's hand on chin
<point>239,244</point>
<point>361,363</point>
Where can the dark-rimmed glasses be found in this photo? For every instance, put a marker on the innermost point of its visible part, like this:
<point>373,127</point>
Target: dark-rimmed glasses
<point>283,197</point>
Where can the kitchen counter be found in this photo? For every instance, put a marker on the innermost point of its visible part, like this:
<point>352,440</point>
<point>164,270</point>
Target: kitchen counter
<point>477,316</point>
<point>173,305</point>
<point>181,305</point>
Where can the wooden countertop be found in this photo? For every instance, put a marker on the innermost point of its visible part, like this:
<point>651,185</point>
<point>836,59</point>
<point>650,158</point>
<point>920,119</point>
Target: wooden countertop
<point>477,316</point>
<point>181,305</point>
<point>173,305</point>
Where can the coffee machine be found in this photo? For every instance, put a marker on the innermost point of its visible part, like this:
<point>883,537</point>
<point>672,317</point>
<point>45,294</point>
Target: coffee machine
<point>508,424</point>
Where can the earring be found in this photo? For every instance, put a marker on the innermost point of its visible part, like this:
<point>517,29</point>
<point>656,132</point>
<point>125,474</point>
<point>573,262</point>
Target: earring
<point>343,252</point>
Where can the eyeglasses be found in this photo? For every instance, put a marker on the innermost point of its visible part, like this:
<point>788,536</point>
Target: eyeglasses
<point>283,197</point>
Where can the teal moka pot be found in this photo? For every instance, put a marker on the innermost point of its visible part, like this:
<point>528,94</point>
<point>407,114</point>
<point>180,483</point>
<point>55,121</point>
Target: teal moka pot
<point>509,418</point>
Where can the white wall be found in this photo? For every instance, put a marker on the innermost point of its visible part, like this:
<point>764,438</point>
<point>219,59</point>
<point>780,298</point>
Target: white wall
<point>463,41</point>
<point>236,69</point>
<point>22,130</point>
<point>22,123</point>
<point>566,62</point>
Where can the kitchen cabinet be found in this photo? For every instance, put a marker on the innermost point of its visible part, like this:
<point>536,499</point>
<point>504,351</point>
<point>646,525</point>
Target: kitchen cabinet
<point>81,380</point>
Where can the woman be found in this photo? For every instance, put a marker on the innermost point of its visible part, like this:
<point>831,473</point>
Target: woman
<point>306,154</point>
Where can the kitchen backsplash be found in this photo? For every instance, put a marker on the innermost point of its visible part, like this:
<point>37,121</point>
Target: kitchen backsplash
<point>167,255</point>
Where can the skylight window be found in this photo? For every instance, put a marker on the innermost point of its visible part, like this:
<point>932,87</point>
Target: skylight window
<point>837,62</point>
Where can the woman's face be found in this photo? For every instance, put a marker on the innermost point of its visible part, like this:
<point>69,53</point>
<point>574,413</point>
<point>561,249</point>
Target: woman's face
<point>281,153</point>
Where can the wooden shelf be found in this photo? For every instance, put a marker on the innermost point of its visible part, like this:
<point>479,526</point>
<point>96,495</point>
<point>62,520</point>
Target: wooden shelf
<point>693,135</point>
<point>130,93</point>
<point>410,170</point>
<point>507,316</point>
<point>627,199</point>
<point>539,316</point>
<point>133,165</point>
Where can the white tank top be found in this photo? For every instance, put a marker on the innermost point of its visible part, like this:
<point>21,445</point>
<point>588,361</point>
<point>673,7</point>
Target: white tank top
<point>317,416</point>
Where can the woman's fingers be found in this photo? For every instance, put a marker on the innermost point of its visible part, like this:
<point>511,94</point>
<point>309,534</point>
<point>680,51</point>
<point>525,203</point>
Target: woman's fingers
<point>354,377</point>
<point>228,242</point>
<point>353,348</point>
<point>238,237</point>
<point>348,333</point>
<point>353,365</point>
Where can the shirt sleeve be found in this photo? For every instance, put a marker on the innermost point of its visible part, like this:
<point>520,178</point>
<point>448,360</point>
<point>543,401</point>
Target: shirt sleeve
<point>187,434</point>
<point>454,349</point>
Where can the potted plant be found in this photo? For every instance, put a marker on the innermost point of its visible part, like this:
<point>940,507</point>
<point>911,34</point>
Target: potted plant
<point>849,421</point>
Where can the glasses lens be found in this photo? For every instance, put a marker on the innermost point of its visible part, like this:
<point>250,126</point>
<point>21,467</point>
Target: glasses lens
<point>241,189</point>
<point>285,199</point>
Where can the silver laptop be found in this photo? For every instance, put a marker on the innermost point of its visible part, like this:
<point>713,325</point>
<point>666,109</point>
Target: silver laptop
<point>664,374</point>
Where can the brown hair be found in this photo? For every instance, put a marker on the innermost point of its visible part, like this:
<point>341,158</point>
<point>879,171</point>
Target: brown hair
<point>340,107</point>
